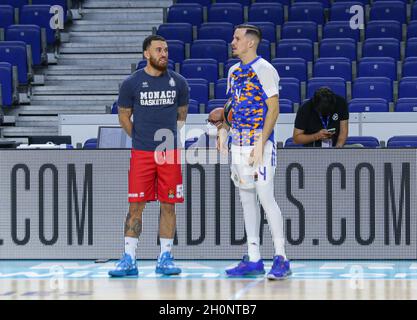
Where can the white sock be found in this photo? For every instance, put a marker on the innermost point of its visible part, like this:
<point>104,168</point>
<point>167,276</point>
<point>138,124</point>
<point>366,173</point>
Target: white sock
<point>130,247</point>
<point>252,218</point>
<point>273,215</point>
<point>166,245</point>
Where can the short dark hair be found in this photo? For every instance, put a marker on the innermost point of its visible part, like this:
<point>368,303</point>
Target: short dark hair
<point>252,30</point>
<point>324,100</point>
<point>148,41</point>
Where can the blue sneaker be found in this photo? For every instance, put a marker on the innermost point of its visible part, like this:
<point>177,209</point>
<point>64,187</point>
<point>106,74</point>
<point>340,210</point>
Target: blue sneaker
<point>246,268</point>
<point>280,269</point>
<point>166,266</point>
<point>125,267</point>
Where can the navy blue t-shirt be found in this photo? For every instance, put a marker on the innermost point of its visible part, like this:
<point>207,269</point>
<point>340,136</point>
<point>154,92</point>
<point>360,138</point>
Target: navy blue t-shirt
<point>154,101</point>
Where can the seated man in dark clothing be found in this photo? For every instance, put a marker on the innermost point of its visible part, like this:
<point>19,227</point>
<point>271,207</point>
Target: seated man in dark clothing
<point>322,121</point>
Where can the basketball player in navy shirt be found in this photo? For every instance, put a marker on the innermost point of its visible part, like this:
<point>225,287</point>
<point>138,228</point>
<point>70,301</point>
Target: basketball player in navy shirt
<point>158,100</point>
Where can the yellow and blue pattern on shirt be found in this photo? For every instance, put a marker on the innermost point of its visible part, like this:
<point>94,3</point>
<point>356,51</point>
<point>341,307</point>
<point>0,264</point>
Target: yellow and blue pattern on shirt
<point>248,105</point>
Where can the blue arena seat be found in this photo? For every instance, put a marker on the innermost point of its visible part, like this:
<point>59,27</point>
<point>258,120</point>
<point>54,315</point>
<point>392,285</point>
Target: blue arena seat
<point>372,87</point>
<point>338,47</point>
<point>289,88</point>
<point>90,143</point>
<point>142,64</point>
<point>62,3</point>
<point>6,16</point>
<point>384,29</point>
<point>31,35</point>
<point>229,63</point>
<point>378,67</point>
<point>14,3</point>
<point>6,81</point>
<point>282,2</point>
<point>402,142</point>
<point>340,29</point>
<point>186,12</point>
<point>204,3</point>
<point>333,67</point>
<point>366,141</point>
<point>268,30</point>
<point>411,47</point>
<point>226,12</point>
<point>193,107</point>
<point>362,2</point>
<point>176,31</point>
<point>176,50</point>
<point>215,49</point>
<point>406,105</point>
<point>289,143</point>
<point>200,68</point>
<point>337,85</point>
<point>242,2</point>
<point>412,28</point>
<point>291,68</point>
<point>368,105</point>
<point>324,3</point>
<point>340,11</point>
<point>14,52</point>
<point>414,12</point>
<point>307,11</point>
<point>199,90</point>
<point>267,12</point>
<point>216,30</point>
<point>410,67</point>
<point>299,30</point>
<point>389,10</point>
<point>39,15</point>
<point>381,47</point>
<point>295,48</point>
<point>264,49</point>
<point>215,103</point>
<point>220,90</point>
<point>407,87</point>
<point>285,106</point>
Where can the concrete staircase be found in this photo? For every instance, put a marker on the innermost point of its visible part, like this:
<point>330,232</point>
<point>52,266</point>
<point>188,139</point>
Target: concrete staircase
<point>90,66</point>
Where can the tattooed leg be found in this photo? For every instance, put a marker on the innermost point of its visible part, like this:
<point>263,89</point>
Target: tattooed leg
<point>133,222</point>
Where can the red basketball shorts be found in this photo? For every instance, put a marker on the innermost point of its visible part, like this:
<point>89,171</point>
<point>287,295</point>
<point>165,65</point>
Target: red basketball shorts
<point>155,175</point>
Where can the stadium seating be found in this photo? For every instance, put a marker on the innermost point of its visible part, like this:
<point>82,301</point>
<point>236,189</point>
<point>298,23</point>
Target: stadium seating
<point>333,67</point>
<point>289,88</point>
<point>340,29</point>
<point>264,49</point>
<point>267,12</point>
<point>39,15</point>
<point>205,3</point>
<point>388,10</point>
<point>324,3</point>
<point>200,68</point>
<point>378,67</point>
<point>406,105</point>
<point>299,30</point>
<point>381,47</point>
<point>215,103</point>
<point>193,107</point>
<point>268,30</point>
<point>176,50</point>
<point>90,143</point>
<point>291,68</point>
<point>408,141</point>
<point>216,30</point>
<point>410,67</point>
<point>338,47</point>
<point>368,105</point>
<point>243,2</point>
<point>220,90</point>
<point>307,11</point>
<point>412,29</point>
<point>14,52</point>
<point>340,11</point>
<point>414,11</point>
<point>215,49</point>
<point>407,87</point>
<point>176,31</point>
<point>295,48</point>
<point>366,141</point>
<point>6,82</point>
<point>289,143</point>
<point>62,3</point>
<point>14,3</point>
<point>372,87</point>
<point>31,35</point>
<point>186,12</point>
<point>337,85</point>
<point>229,63</point>
<point>6,16</point>
<point>199,90</point>
<point>384,29</point>
<point>226,12</point>
<point>411,48</point>
<point>285,106</point>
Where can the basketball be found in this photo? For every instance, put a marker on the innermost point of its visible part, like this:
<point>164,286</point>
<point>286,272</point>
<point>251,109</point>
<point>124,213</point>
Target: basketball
<point>228,112</point>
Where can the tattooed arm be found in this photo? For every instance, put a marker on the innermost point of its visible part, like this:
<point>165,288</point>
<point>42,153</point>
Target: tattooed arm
<point>125,115</point>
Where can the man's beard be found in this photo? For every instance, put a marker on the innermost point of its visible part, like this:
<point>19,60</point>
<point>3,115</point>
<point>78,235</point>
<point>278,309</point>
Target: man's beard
<point>154,64</point>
